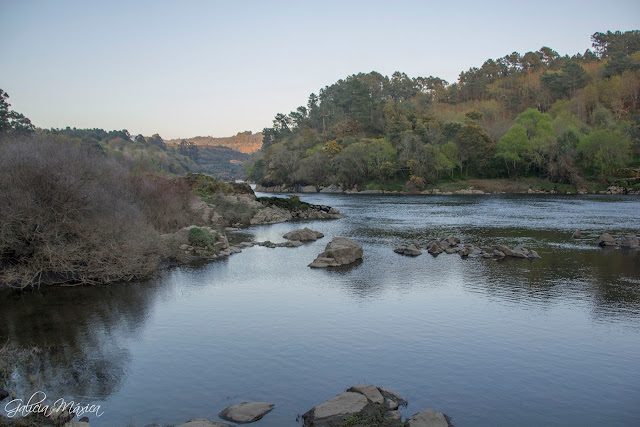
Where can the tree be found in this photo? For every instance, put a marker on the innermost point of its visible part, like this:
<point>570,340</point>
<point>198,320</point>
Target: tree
<point>513,147</point>
<point>605,150</point>
<point>12,121</point>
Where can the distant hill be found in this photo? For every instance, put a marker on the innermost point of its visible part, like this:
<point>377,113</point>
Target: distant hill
<point>245,142</point>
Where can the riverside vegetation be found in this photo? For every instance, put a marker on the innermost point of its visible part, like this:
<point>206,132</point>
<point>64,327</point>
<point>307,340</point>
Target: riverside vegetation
<point>538,120</point>
<point>72,212</point>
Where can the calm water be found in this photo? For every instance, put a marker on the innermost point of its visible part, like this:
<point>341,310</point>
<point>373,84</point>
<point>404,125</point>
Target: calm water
<point>551,342</point>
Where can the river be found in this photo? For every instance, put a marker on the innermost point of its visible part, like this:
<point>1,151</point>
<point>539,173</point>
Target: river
<point>552,342</point>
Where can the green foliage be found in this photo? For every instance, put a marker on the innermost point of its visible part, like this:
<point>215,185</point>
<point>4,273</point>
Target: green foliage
<point>515,115</point>
<point>202,237</point>
<point>12,122</point>
<point>605,150</point>
<point>207,186</point>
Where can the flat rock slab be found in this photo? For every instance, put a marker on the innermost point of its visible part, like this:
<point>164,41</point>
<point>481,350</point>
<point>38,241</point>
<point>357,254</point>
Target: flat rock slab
<point>203,422</point>
<point>428,418</point>
<point>342,404</point>
<point>246,412</point>
<point>369,391</point>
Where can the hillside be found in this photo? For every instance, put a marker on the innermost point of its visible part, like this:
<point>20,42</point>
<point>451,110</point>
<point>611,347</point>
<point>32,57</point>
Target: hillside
<point>566,120</point>
<point>244,142</point>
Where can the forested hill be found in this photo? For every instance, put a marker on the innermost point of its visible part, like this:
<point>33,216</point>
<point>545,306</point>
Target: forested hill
<point>567,119</point>
<point>245,142</point>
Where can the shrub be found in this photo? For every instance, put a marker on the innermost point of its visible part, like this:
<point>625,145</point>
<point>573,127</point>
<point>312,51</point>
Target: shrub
<point>202,237</point>
<point>69,214</point>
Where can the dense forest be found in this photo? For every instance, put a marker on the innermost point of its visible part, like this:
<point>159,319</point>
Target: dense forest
<point>572,120</point>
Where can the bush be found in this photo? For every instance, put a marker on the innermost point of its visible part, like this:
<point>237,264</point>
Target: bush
<point>202,237</point>
<point>69,214</point>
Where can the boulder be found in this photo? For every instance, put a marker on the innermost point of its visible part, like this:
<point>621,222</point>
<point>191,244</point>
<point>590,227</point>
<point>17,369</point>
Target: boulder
<point>428,418</point>
<point>606,240</point>
<point>246,412</point>
<point>393,416</point>
<point>576,234</point>
<point>336,409</point>
<point>369,391</point>
<point>340,251</point>
<point>630,241</point>
<point>303,235</point>
<point>3,394</point>
<point>392,396</point>
<point>203,422</point>
<point>435,249</point>
<point>508,252</point>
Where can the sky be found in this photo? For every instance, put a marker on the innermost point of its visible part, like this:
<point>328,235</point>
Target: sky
<point>197,68</point>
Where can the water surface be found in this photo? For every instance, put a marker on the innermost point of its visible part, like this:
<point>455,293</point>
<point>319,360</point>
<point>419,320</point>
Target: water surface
<point>550,342</point>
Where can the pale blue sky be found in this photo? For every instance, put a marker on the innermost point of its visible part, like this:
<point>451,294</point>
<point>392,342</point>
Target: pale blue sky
<point>187,68</point>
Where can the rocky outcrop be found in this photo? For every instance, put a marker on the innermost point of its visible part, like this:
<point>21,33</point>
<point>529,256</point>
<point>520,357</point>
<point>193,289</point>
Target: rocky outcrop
<point>368,405</point>
<point>303,235</point>
<point>280,209</point>
<point>340,251</point>
<point>247,412</point>
<point>453,245</point>
<point>411,250</point>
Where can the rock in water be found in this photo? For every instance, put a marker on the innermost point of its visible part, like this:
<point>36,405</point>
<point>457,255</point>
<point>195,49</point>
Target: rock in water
<point>411,250</point>
<point>576,234</point>
<point>246,412</point>
<point>369,391</point>
<point>303,235</point>
<point>428,418</point>
<point>606,240</point>
<point>340,251</point>
<point>630,241</point>
<point>3,394</point>
<point>335,409</point>
<point>203,422</point>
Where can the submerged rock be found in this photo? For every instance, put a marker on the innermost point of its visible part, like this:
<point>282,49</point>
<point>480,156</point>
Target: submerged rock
<point>606,240</point>
<point>411,250</point>
<point>630,241</point>
<point>203,422</point>
<point>428,418</point>
<point>246,412</point>
<point>340,251</point>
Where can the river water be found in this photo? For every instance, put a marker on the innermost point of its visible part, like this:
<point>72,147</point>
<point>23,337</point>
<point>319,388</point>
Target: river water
<point>553,342</point>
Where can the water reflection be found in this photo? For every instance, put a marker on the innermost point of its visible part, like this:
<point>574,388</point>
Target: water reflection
<point>68,342</point>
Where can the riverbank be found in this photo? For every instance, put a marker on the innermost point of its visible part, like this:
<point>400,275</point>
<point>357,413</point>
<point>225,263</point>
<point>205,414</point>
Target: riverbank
<point>472,186</point>
<point>185,220</point>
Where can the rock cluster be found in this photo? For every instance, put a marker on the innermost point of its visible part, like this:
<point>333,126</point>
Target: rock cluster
<point>452,245</point>
<point>628,242</point>
<point>340,251</point>
<point>368,405</point>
